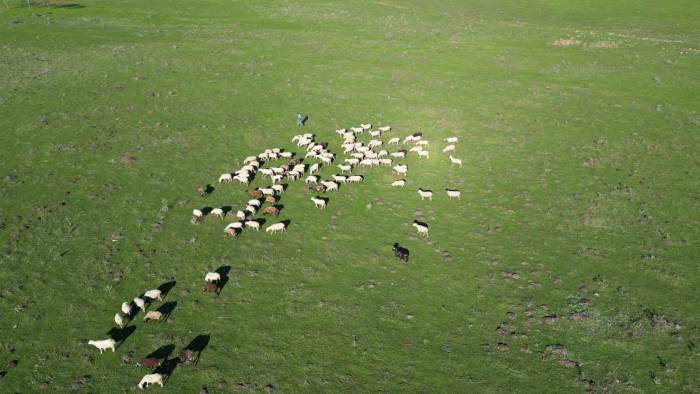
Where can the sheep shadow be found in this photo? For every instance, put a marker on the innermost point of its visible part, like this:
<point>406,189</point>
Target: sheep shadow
<point>70,6</point>
<point>286,222</point>
<point>421,223</point>
<point>120,335</point>
<point>162,352</point>
<point>198,344</point>
<point>167,308</point>
<point>227,209</point>
<point>400,252</point>
<point>209,189</point>
<point>166,287</point>
<point>167,367</point>
<point>207,210</point>
<point>260,221</point>
<point>223,272</point>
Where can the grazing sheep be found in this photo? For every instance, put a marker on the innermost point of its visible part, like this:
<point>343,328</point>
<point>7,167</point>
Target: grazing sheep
<point>415,149</point>
<point>225,178</point>
<point>197,213</point>
<point>340,178</point>
<point>353,162</point>
<point>202,191</point>
<point>273,228</point>
<point>241,215</point>
<point>408,139</point>
<point>375,133</point>
<point>330,186</point>
<point>266,171</point>
<point>230,231</point>
<point>271,200</point>
<point>119,319</point>
<point>394,141</point>
<point>254,193</point>
<point>400,169</point>
<point>250,159</point>
<point>253,224</point>
<point>153,378</point>
<point>385,162</point>
<point>345,167</point>
<point>366,127</point>
<point>218,212</point>
<point>384,129</point>
<point>399,183</point>
<point>425,194</point>
<point>126,308</point>
<point>268,191</point>
<point>374,143</point>
<point>255,203</point>
<point>186,356</point>
<point>448,148</point>
<point>455,160</point>
<point>154,294</point>
<point>451,140</point>
<point>382,153</point>
<point>212,277</point>
<point>357,129</point>
<point>235,225</point>
<point>153,315</point>
<point>311,179</point>
<point>276,178</point>
<point>399,154</point>
<point>327,160</point>
<point>279,189</point>
<point>319,202</point>
<point>451,193</point>
<point>104,344</point>
<point>341,131</point>
<point>422,143</point>
<point>251,209</point>
<point>422,230</point>
<point>210,287</point>
<point>286,155</point>
<point>140,303</point>
<point>149,362</point>
<point>400,253</point>
<point>271,211</point>
<point>424,153</point>
<point>355,178</point>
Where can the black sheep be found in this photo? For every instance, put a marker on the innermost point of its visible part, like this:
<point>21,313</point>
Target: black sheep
<point>400,253</point>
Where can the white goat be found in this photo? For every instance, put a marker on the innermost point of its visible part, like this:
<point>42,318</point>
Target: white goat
<point>104,344</point>
<point>152,378</point>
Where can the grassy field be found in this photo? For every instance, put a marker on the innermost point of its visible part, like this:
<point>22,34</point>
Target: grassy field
<point>573,252</point>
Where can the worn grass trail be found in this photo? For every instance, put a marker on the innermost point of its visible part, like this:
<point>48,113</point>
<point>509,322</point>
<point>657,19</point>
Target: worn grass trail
<point>573,252</point>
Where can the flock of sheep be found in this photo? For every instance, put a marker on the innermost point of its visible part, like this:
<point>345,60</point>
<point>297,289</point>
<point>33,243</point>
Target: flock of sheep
<point>358,154</point>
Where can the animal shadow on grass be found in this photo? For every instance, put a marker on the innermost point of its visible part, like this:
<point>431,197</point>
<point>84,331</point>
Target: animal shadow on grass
<point>279,207</point>
<point>223,272</point>
<point>167,308</point>
<point>286,222</point>
<point>226,209</point>
<point>167,367</point>
<point>162,352</point>
<point>420,223</point>
<point>261,221</point>
<point>63,5</point>
<point>197,345</point>
<point>400,252</point>
<point>207,210</point>
<point>166,287</point>
<point>121,334</point>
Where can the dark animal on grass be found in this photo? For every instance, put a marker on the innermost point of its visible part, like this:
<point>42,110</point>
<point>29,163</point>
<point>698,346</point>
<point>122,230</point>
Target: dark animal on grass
<point>400,252</point>
<point>271,200</point>
<point>187,356</point>
<point>202,191</point>
<point>211,287</point>
<point>149,362</point>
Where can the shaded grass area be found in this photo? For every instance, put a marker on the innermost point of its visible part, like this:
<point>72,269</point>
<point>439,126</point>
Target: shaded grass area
<point>572,253</point>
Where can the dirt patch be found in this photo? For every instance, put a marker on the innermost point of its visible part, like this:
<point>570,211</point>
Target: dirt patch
<point>579,316</point>
<point>565,42</point>
<point>603,45</point>
<point>511,275</point>
<point>502,347</point>
<point>128,159</point>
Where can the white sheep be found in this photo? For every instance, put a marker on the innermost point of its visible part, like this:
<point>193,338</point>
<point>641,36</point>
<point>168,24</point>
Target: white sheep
<point>384,129</point>
<point>366,163</point>
<point>385,162</point>
<point>448,148</point>
<point>355,178</point>
<point>451,193</point>
<point>415,149</point>
<point>276,178</point>
<point>398,183</point>
<point>266,171</point>
<point>340,178</point>
<point>251,209</point>
<point>409,139</point>
<point>279,189</point>
<point>394,141</point>
<point>126,308</point>
<point>253,224</point>
<point>236,225</point>
<point>154,294</point>
<point>357,129</point>
<point>225,178</point>
<point>382,153</point>
<point>286,155</point>
<point>399,154</point>
<point>212,277</point>
<point>327,160</point>
<point>277,170</point>
<point>314,168</point>
<point>241,215</point>
<point>267,191</point>
<point>319,202</point>
<point>330,186</point>
<point>119,319</point>
<point>273,228</point>
<point>249,159</point>
<point>455,160</point>
<point>375,133</point>
<point>366,127</point>
<point>422,143</point>
<point>424,153</point>
<point>218,212</point>
<point>374,143</point>
<point>422,230</point>
<point>345,167</point>
<point>140,303</point>
<point>353,161</point>
<point>153,378</point>
<point>104,344</point>
<point>400,169</point>
<point>425,194</point>
<point>197,213</point>
<point>153,315</point>
<point>242,179</point>
<point>255,203</point>
<point>311,179</point>
<point>341,131</point>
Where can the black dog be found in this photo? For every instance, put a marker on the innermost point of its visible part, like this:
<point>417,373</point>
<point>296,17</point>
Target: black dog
<point>400,253</point>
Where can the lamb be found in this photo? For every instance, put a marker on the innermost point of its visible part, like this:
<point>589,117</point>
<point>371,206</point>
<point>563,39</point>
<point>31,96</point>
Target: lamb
<point>384,129</point>
<point>394,141</point>
<point>104,344</point>
<point>225,178</point>
<point>448,148</point>
<point>119,319</point>
<point>422,229</point>
<point>241,215</point>
<point>451,193</point>
<point>153,378</point>
<point>319,202</point>
<point>400,169</point>
<point>126,308</point>
<point>424,153</point>
<point>276,178</point>
<point>271,211</point>
<point>141,303</point>
<point>455,160</point>
<point>355,178</point>
<point>153,315</point>
<point>218,212</point>
<point>345,167</point>
<point>399,183</point>
<point>212,277</point>
<point>255,203</point>
<point>425,194</point>
<point>366,127</point>
<point>273,228</point>
<point>253,224</point>
<point>154,294</point>
<point>330,186</point>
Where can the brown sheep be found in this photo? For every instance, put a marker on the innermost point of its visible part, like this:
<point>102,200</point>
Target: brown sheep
<point>152,315</point>
<point>149,362</point>
<point>202,191</point>
<point>230,231</point>
<point>254,193</point>
<point>187,356</point>
<point>211,287</point>
<point>271,211</point>
<point>271,200</point>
